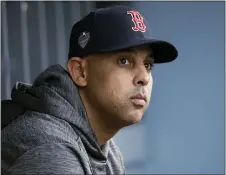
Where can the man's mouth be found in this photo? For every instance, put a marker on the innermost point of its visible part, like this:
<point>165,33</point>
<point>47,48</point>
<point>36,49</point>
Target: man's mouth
<point>139,99</point>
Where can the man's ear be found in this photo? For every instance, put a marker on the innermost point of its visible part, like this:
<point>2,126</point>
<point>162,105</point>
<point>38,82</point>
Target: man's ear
<point>77,70</point>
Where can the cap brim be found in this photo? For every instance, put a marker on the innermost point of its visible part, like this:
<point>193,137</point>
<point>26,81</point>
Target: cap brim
<point>163,51</point>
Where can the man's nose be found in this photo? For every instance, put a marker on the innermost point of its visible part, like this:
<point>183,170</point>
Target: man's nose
<point>142,77</point>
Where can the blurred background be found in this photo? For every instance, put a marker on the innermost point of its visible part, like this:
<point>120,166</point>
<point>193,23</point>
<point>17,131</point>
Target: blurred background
<point>182,132</point>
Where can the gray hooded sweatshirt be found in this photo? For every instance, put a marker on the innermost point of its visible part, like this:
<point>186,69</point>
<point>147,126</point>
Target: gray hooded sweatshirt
<point>45,131</point>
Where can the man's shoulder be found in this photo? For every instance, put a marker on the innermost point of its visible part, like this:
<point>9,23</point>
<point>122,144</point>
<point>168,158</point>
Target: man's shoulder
<point>34,130</point>
<point>40,127</point>
<point>33,125</point>
<point>49,158</point>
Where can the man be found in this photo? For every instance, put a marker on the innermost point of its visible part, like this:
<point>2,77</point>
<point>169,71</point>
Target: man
<point>64,122</point>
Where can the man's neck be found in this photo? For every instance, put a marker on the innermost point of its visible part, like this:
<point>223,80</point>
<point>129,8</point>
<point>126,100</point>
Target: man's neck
<point>103,130</point>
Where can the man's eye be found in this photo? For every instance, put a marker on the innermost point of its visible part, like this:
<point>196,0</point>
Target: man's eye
<point>124,61</point>
<point>148,66</point>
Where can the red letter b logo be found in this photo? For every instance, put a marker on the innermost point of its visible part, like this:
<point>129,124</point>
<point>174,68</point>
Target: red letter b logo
<point>138,21</point>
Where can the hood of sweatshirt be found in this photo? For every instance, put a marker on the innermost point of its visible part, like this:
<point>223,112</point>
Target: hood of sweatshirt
<point>53,92</point>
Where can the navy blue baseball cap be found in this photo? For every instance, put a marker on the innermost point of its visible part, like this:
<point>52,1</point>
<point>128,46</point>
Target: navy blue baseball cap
<point>113,29</point>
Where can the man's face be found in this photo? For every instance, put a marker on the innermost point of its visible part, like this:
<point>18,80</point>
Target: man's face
<point>119,85</point>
